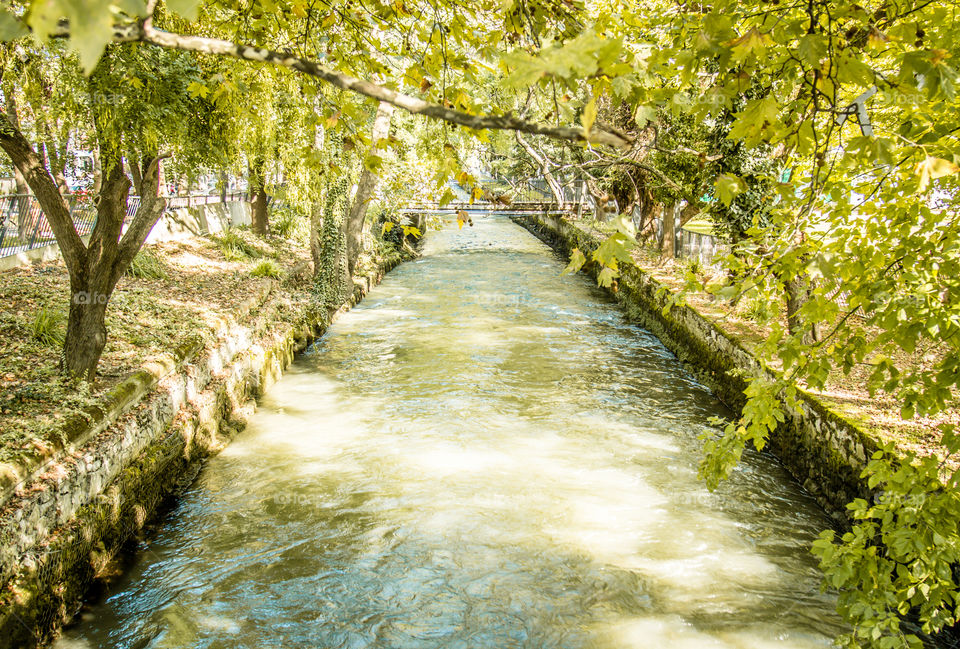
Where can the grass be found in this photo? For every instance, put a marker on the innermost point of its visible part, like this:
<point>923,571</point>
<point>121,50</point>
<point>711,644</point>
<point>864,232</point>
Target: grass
<point>757,309</point>
<point>236,248</point>
<point>267,268</point>
<point>147,265</point>
<point>288,224</point>
<point>49,327</point>
<point>200,286</point>
<point>696,266</point>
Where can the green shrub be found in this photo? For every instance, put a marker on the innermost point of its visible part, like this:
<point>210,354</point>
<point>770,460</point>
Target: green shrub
<point>267,268</point>
<point>236,248</point>
<point>147,265</point>
<point>49,327</point>
<point>757,308</point>
<point>696,266</point>
<point>288,224</point>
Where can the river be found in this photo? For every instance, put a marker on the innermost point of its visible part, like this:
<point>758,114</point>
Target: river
<point>483,454</point>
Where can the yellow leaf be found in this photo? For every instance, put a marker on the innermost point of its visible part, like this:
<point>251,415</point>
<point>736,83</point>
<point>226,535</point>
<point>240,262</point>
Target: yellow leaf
<point>589,116</point>
<point>752,41</point>
<point>577,260</point>
<point>931,168</point>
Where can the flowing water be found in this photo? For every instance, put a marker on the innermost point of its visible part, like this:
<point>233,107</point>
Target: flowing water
<point>483,454</point>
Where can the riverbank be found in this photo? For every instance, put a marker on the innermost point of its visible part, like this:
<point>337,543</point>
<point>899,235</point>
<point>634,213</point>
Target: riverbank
<point>824,450</point>
<point>197,332</point>
<point>485,454</point>
<point>750,321</point>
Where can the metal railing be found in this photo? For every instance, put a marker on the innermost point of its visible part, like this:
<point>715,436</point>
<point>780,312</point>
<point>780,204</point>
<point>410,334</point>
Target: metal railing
<point>24,226</point>
<point>707,248</point>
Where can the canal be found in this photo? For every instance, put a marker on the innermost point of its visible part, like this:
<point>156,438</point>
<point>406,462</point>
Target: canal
<point>483,454</point>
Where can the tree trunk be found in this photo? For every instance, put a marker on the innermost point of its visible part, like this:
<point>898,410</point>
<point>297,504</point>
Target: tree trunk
<point>97,173</point>
<point>366,186</point>
<point>136,173</point>
<point>258,191</point>
<point>95,268</point>
<point>668,248</point>
<point>261,223</point>
<point>689,211</point>
<point>332,281</point>
<point>316,227</point>
<point>86,333</point>
<point>797,293</point>
<point>60,176</point>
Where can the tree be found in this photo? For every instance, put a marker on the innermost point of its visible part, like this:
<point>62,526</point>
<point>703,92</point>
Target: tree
<point>366,185</point>
<point>95,267</point>
<point>857,101</point>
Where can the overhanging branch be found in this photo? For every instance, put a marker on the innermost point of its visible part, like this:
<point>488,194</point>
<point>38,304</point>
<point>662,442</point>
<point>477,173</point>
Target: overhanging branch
<point>144,32</point>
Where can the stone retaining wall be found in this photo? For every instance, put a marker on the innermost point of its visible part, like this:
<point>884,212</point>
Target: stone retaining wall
<point>824,451</point>
<point>61,528</point>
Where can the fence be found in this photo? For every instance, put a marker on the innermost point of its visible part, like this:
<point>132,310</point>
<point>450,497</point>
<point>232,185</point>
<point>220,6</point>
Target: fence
<point>24,226</point>
<point>694,245</point>
<point>705,247</point>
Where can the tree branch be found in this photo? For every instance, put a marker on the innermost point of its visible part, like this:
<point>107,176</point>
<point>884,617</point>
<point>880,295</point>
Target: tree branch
<point>144,32</point>
<point>151,208</point>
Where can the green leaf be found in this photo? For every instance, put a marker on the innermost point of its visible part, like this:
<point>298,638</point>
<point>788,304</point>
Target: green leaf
<point>197,89</point>
<point>373,163</point>
<point>589,115</point>
<point>577,260</point>
<point>614,248</point>
<point>812,48</point>
<point>753,41</point>
<point>184,8</point>
<point>643,115</point>
<point>728,186</point>
<point>91,28</point>
<point>931,168</point>
<point>606,277</point>
<point>447,197</point>
<point>11,27</point>
<point>754,120</point>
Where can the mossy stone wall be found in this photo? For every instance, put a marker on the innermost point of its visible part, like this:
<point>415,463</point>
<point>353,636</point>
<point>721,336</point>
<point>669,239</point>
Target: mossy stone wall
<point>58,532</point>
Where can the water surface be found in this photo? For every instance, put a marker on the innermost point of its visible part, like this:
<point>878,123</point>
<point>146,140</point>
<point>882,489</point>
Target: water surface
<point>483,454</point>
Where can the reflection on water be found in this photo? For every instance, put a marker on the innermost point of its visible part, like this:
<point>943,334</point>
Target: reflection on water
<point>483,454</point>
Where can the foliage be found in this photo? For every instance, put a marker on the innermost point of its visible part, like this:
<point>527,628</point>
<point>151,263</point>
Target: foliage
<point>267,268</point>
<point>757,307</point>
<point>147,265</point>
<point>857,101</point>
<point>288,223</point>
<point>235,247</point>
<point>48,327</point>
<point>900,559</point>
